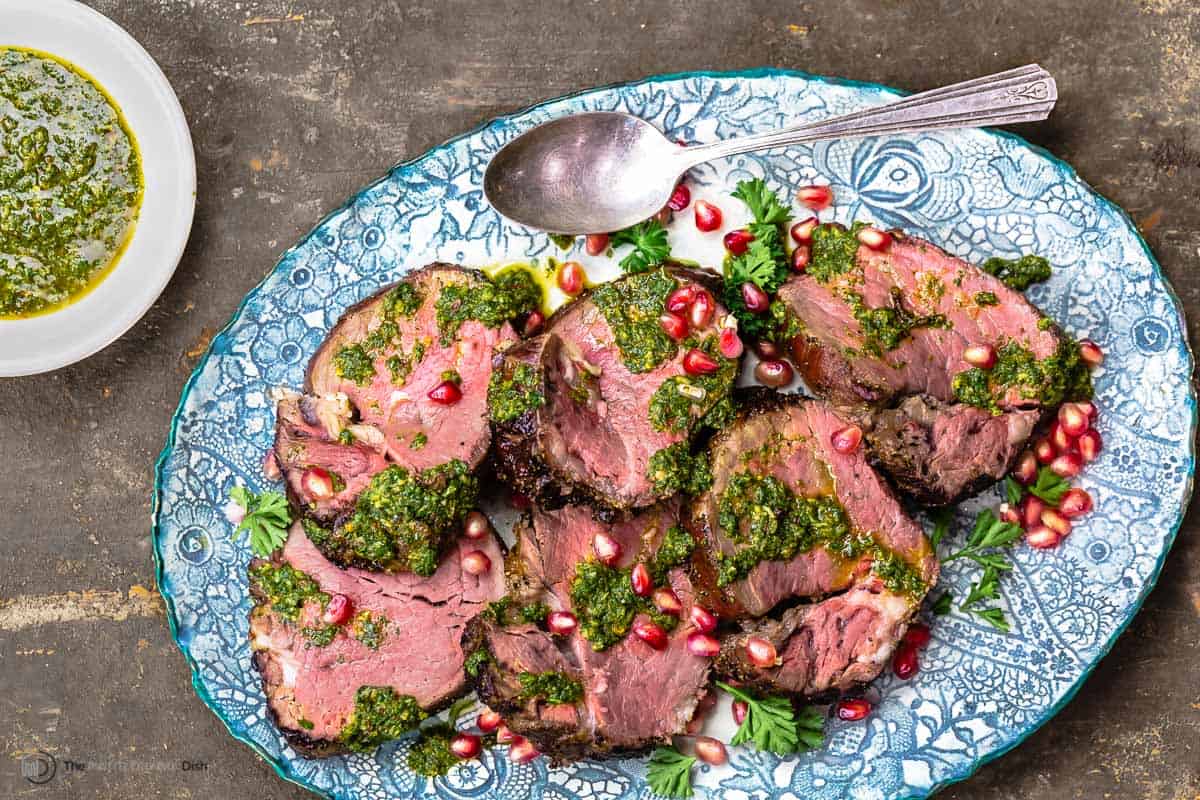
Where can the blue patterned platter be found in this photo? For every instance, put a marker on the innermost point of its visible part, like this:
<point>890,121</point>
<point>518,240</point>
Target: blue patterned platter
<point>976,193</point>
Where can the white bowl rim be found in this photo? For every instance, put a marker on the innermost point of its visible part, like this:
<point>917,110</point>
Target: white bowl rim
<point>98,46</point>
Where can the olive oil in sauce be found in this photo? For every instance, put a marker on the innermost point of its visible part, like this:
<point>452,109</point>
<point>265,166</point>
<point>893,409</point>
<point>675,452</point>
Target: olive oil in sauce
<point>70,183</point>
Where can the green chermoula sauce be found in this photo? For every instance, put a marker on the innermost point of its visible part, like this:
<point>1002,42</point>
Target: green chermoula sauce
<point>475,662</point>
<point>683,400</point>
<point>503,297</point>
<point>886,327</point>
<point>380,714</point>
<point>676,548</point>
<point>356,362</point>
<point>986,299</point>
<point>833,250</point>
<point>513,392</point>
<point>674,469</point>
<point>605,604</point>
<point>370,629</point>
<point>287,589</point>
<point>70,183</point>
<point>430,755</point>
<point>553,687</point>
<point>1018,273</point>
<point>400,519</point>
<point>1062,376</point>
<point>631,308</point>
<point>773,523</point>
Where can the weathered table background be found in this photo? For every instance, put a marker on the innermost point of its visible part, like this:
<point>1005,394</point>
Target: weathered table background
<point>294,105</point>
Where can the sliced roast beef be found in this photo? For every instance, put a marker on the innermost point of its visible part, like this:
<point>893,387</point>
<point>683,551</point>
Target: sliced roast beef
<point>789,518</point>
<point>404,635</point>
<point>610,409</point>
<point>879,326</point>
<point>630,695</point>
<point>326,458</point>
<point>387,353</point>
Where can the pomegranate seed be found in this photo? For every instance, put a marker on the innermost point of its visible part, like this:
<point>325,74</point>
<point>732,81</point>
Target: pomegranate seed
<point>698,362</point>
<point>488,721</point>
<point>338,610</point>
<point>904,664</point>
<point>874,238</point>
<point>533,323</point>
<point>1067,465</point>
<point>1073,419</point>
<point>640,580</point>
<point>1031,509</point>
<point>1089,408</point>
<point>730,344</point>
<point>607,549</point>
<point>476,562</point>
<point>1056,522</point>
<point>666,601</point>
<point>1075,503</point>
<point>318,483</point>
<point>595,243</point>
<point>703,308</point>
<point>800,258</point>
<point>1025,472</point>
<point>1090,444</point>
<point>680,198</point>
<point>1044,451</point>
<point>1091,353</point>
<point>445,393</point>
<point>650,633</point>
<point>673,325</point>
<point>766,350</point>
<point>711,751</point>
<point>737,241</point>
<point>815,197</point>
<point>708,216</point>
<point>519,501</point>
<point>739,709</point>
<point>757,301</point>
<point>917,635</point>
<point>504,734</point>
<point>681,299</point>
<point>802,231</point>
<point>853,709</point>
<point>704,620</point>
<point>1009,514</point>
<point>1042,537</point>
<point>1062,441</point>
<point>522,752</point>
<point>562,623</point>
<point>980,355</point>
<point>773,373</point>
<point>847,439</point>
<point>465,745</point>
<point>571,277</point>
<point>760,652</point>
<point>702,645</point>
<point>476,525</point>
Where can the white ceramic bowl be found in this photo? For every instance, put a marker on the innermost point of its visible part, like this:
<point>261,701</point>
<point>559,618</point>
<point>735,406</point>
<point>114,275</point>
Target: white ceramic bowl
<point>101,48</point>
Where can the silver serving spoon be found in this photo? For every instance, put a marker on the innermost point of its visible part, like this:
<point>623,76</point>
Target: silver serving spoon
<point>604,171</point>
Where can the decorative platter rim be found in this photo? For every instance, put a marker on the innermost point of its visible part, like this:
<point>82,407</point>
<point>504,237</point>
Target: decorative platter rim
<point>283,766</point>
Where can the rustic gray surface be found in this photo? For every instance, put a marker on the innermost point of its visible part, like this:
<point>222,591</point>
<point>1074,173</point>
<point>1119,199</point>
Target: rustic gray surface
<point>293,106</point>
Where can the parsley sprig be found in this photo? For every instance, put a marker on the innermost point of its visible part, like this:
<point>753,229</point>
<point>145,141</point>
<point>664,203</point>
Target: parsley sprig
<point>669,773</point>
<point>765,263</point>
<point>1048,486</point>
<point>989,536</point>
<point>650,246</point>
<point>774,726</point>
<point>267,519</point>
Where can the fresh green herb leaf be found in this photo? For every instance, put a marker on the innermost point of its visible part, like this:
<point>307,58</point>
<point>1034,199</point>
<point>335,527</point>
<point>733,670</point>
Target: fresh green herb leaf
<point>989,533</point>
<point>267,519</point>
<point>650,246</point>
<point>757,265</point>
<point>810,726</point>
<point>941,525</point>
<point>763,203</point>
<point>941,607</point>
<point>457,710</point>
<point>986,588</point>
<point>994,617</point>
<point>1049,486</point>
<point>669,773</point>
<point>1013,491</point>
<point>772,725</point>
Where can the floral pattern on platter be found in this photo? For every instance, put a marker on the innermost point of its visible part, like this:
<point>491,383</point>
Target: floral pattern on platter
<point>976,193</point>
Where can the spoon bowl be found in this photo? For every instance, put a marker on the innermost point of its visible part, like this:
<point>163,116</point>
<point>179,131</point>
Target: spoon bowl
<point>576,175</point>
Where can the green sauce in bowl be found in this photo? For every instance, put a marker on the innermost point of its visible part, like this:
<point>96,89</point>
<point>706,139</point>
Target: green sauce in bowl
<point>70,183</point>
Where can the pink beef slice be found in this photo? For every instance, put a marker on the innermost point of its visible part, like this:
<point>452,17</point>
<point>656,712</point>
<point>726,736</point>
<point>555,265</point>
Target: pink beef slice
<point>909,440</point>
<point>420,654</point>
<point>634,696</point>
<point>592,438</point>
<point>306,436</point>
<point>417,432</point>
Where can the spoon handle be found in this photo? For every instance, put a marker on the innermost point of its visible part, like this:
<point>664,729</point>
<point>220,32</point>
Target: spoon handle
<point>1024,94</point>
